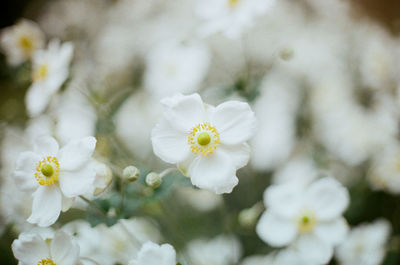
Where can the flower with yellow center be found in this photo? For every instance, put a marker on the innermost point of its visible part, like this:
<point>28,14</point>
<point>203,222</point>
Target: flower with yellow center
<point>55,176</point>
<point>50,69</point>
<point>305,217</point>
<point>20,41</point>
<point>37,248</point>
<point>207,143</point>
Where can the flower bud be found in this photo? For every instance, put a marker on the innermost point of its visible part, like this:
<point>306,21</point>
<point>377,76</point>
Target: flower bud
<point>130,174</point>
<point>153,180</point>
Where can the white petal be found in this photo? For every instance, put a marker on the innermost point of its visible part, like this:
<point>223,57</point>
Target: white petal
<point>239,154</point>
<point>78,182</point>
<point>276,231</point>
<point>333,232</point>
<point>63,250</point>
<point>46,206</point>
<point>313,250</point>
<point>66,203</point>
<point>168,143</point>
<point>30,248</point>
<point>77,153</point>
<point>214,172</point>
<point>328,198</point>
<point>37,98</point>
<point>184,112</point>
<point>235,122</point>
<point>284,199</point>
<point>45,146</point>
<point>24,174</point>
<point>153,254</point>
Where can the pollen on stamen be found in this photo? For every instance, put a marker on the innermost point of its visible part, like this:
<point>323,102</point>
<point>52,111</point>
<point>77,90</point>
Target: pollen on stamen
<point>203,139</point>
<point>47,171</point>
<point>46,262</point>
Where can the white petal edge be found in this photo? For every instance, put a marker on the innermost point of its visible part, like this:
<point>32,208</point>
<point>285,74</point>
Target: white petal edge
<point>24,174</point>
<point>30,248</point>
<point>45,146</point>
<point>63,250</point>
<point>46,206</point>
<point>78,182</point>
<point>276,231</point>
<point>235,122</point>
<point>77,153</point>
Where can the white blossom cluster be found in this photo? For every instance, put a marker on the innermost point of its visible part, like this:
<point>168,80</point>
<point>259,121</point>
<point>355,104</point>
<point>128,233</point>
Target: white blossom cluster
<point>212,132</point>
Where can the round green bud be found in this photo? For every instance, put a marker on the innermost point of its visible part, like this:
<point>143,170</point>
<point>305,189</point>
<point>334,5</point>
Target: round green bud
<point>153,180</point>
<point>47,170</point>
<point>203,138</point>
<point>130,173</point>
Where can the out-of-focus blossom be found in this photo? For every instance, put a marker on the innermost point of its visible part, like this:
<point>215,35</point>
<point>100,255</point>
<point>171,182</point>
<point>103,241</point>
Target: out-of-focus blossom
<point>19,42</point>
<point>384,173</point>
<point>230,17</point>
<point>32,248</point>
<point>201,200</point>
<point>208,143</point>
<point>307,218</point>
<point>55,176</point>
<point>276,111</point>
<point>49,71</point>
<point>153,254</point>
<point>122,241</point>
<point>174,67</point>
<point>221,250</point>
<point>365,244</point>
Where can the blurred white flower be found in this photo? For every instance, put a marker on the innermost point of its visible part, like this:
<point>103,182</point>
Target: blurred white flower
<point>299,170</point>
<point>230,17</point>
<point>221,250</point>
<point>208,143</point>
<point>201,200</point>
<point>153,254</point>
<point>19,42</point>
<point>32,248</point>
<point>276,109</point>
<point>122,241</point>
<point>174,67</point>
<point>73,110</point>
<point>365,244</point>
<point>138,116</point>
<point>384,173</point>
<point>50,69</point>
<point>55,176</point>
<point>307,218</point>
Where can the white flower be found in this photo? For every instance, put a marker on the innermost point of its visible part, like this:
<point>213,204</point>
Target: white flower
<point>208,143</point>
<point>221,250</point>
<point>309,219</point>
<point>33,249</point>
<point>365,244</point>
<point>55,176</point>
<point>153,254</point>
<point>385,169</point>
<point>176,68</point>
<point>49,71</point>
<point>20,41</point>
<point>230,16</point>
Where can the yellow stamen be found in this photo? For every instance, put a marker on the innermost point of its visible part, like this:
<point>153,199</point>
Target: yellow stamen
<point>203,139</point>
<point>47,171</point>
<point>306,223</point>
<point>26,44</point>
<point>233,3</point>
<point>46,262</point>
<point>40,73</point>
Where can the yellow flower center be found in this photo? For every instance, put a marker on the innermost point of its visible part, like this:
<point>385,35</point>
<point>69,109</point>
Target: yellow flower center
<point>26,43</point>
<point>40,73</point>
<point>306,223</point>
<point>47,171</point>
<point>46,262</point>
<point>233,3</point>
<point>203,139</point>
